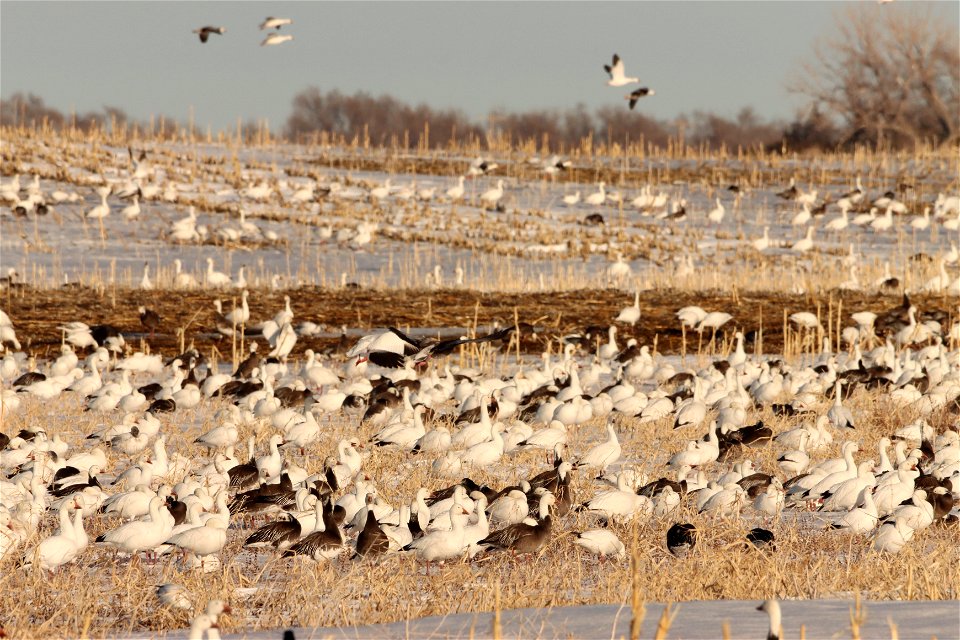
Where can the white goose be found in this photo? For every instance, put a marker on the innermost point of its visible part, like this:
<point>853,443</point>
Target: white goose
<point>601,542</point>
<point>630,315</point>
<point>604,454</point>
<point>492,196</point>
<point>141,534</point>
<point>442,545</point>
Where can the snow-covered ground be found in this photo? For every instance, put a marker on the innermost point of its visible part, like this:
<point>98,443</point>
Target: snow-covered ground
<point>693,621</point>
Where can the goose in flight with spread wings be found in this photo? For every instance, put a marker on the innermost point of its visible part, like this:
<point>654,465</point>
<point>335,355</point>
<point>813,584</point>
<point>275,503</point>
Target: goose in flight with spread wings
<point>618,76</point>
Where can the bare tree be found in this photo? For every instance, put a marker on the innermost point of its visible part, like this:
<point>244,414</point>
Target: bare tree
<point>890,74</point>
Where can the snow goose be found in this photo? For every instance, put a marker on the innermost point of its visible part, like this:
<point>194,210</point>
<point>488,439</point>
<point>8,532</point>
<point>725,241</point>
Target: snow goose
<point>630,315</point>
<point>474,533</point>
<point>456,193</point>
<point>283,533</point>
<point>204,32</point>
<point>892,536</point>
<point>763,243</point>
<point>622,503</point>
<point>58,549</point>
<point>918,514</point>
<point>772,607</point>
<point>509,508</point>
<point>601,542</point>
<point>202,541</point>
<point>698,452</point>
<point>804,244</point>
<point>725,502</point>
<point>839,223</point>
<point>492,196</point>
<point>571,199</point>
<point>216,278</point>
<point>174,596</point>
<point>634,96</point>
<point>275,38</point>
<point>795,461</point>
<point>618,77</point>
<point>274,23</point>
<point>883,223</point>
<point>597,198</point>
<point>547,438</point>
<point>437,439</point>
<point>838,415</point>
<point>844,495</point>
<point>141,534</point>
<point>100,211</point>
<point>716,214</point>
<point>604,454</point>
<point>861,519</point>
<point>442,545</point>
<point>891,494</point>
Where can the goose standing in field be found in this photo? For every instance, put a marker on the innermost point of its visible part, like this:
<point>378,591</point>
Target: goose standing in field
<point>181,279</point>
<point>618,77</point>
<point>716,214</point>
<point>523,537</point>
<point>102,210</point>
<point>604,454</point>
<point>58,549</point>
<point>839,416</point>
<point>217,278</point>
<point>202,541</point>
<point>204,32</point>
<point>598,197</point>
<point>442,545</point>
<point>456,193</point>
<point>763,243</point>
<point>131,211</point>
<point>571,199</point>
<point>839,223</point>
<point>630,315</point>
<point>804,244</point>
<point>140,535</point>
<point>791,192</point>
<point>492,196</point>
<point>883,223</point>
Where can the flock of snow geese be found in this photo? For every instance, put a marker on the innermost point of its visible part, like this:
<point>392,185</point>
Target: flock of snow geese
<point>858,215</point>
<point>326,504</point>
<point>273,38</point>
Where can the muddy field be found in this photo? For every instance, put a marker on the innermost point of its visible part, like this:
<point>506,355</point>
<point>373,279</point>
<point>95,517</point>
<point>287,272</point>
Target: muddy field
<point>545,318</point>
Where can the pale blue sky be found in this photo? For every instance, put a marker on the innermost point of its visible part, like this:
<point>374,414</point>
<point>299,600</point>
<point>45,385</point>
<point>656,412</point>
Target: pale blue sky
<point>143,58</point>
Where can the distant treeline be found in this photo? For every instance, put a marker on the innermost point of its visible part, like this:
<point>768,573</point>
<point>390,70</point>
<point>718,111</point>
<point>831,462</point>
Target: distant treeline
<point>384,120</point>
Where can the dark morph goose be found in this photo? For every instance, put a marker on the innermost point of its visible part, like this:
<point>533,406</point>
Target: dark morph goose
<point>204,32</point>
<point>637,94</point>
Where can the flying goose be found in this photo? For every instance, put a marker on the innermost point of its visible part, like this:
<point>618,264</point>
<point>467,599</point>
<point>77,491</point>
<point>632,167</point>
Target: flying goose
<point>274,23</point>
<point>618,77</point>
<point>204,32</point>
<point>636,94</point>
